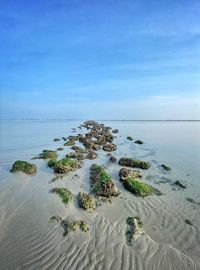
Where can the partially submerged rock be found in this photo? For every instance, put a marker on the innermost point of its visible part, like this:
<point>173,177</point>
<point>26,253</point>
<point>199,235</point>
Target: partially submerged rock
<point>56,140</point>
<point>64,165</point>
<point>110,147</point>
<point>139,188</point>
<point>179,184</point>
<point>113,159</point>
<point>165,167</point>
<point>129,138</point>
<point>60,149</point>
<point>115,130</point>
<point>48,154</point>
<point>124,173</point>
<point>134,229</point>
<point>79,149</point>
<point>139,142</point>
<point>63,193</point>
<point>134,163</point>
<point>102,183</point>
<point>23,166</point>
<point>86,201</point>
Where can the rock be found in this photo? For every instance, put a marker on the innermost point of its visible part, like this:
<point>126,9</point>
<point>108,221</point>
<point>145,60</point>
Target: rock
<point>102,183</point>
<point>23,166</point>
<point>179,184</point>
<point>189,222</point>
<point>115,130</point>
<point>113,159</point>
<point>86,201</point>
<point>139,188</point>
<point>134,229</point>
<point>166,168</point>
<point>79,149</point>
<point>48,154</point>
<point>129,138</point>
<point>134,163</point>
<point>60,149</point>
<point>110,147</point>
<point>69,143</point>
<point>78,156</point>
<point>125,173</point>
<point>64,194</point>
<point>91,155</point>
<point>64,165</point>
<point>71,226</point>
<point>139,142</point>
<point>56,140</point>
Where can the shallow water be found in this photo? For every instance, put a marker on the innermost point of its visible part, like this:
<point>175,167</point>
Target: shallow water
<point>29,241</point>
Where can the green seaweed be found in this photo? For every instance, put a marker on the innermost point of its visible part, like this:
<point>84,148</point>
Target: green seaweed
<point>23,166</point>
<point>134,163</point>
<point>48,154</point>
<point>64,194</point>
<point>139,188</point>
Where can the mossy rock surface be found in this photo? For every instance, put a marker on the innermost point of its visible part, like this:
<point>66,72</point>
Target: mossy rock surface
<point>64,194</point>
<point>134,163</point>
<point>64,165</point>
<point>134,229</point>
<point>23,166</point>
<point>86,201</point>
<point>165,167</point>
<point>101,182</point>
<point>48,154</point>
<point>139,188</point>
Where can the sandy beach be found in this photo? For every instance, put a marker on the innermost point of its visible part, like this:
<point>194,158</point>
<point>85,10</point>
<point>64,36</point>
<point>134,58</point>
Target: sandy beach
<point>29,239</point>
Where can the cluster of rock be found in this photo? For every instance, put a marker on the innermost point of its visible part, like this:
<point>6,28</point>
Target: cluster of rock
<point>132,181</point>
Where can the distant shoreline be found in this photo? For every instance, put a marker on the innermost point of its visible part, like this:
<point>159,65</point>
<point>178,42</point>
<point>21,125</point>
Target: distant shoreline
<point>116,120</point>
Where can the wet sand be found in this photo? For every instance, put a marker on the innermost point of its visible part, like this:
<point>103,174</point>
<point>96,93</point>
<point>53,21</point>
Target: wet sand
<point>29,241</point>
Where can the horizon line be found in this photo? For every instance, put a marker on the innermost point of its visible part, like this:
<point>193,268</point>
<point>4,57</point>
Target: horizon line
<point>85,119</point>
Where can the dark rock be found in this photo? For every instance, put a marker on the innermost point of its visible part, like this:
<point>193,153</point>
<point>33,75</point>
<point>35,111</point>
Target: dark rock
<point>166,168</point>
<point>113,159</point>
<point>91,155</point>
<point>139,142</point>
<point>189,222</point>
<point>179,184</point>
<point>110,147</point>
<point>56,140</point>
<point>129,138</point>
<point>134,163</point>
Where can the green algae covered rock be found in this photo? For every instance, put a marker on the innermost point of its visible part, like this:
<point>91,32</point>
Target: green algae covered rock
<point>72,226</point>
<point>134,163</point>
<point>86,201</point>
<point>23,166</point>
<point>64,194</point>
<point>48,154</point>
<point>139,188</point>
<point>64,165</point>
<point>102,183</point>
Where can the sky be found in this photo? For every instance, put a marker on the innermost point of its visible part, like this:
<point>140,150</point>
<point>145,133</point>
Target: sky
<point>100,59</point>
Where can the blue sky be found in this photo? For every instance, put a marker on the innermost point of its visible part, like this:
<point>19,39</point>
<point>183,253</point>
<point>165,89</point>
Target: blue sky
<point>100,59</point>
